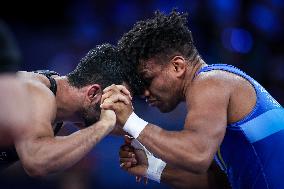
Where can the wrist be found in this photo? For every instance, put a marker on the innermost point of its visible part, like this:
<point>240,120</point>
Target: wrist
<point>107,118</point>
<point>134,125</point>
<point>155,165</point>
<point>155,168</point>
<point>105,126</point>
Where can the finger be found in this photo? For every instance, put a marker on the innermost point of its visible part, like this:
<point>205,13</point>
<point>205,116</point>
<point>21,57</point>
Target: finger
<point>125,165</point>
<point>113,93</point>
<point>126,147</point>
<point>111,103</point>
<point>145,180</point>
<point>128,139</point>
<point>131,161</point>
<point>126,154</point>
<point>117,88</point>
<point>124,90</point>
<point>118,98</point>
<point>114,87</point>
<point>106,95</point>
<point>138,178</point>
<point>122,165</point>
<point>109,88</point>
<point>108,106</point>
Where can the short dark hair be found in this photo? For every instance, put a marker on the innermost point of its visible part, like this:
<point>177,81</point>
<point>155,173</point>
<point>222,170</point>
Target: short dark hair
<point>101,65</point>
<point>161,35</point>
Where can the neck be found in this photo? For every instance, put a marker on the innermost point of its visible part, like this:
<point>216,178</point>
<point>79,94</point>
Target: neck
<point>67,100</point>
<point>192,69</point>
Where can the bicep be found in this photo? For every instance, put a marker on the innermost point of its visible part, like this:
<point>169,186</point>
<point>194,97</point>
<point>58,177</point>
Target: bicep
<point>38,125</point>
<point>207,115</point>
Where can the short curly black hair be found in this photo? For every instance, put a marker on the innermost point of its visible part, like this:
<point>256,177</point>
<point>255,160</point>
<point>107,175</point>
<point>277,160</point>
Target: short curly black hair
<point>162,35</point>
<point>101,65</point>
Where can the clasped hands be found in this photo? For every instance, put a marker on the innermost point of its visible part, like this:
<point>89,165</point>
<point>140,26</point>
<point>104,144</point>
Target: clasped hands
<point>118,99</point>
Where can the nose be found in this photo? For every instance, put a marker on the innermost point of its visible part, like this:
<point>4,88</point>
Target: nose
<point>146,93</point>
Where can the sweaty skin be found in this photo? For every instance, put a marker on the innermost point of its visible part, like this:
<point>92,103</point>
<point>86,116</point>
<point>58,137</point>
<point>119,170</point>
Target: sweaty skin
<point>13,96</point>
<point>135,162</point>
<point>41,152</point>
<point>212,99</point>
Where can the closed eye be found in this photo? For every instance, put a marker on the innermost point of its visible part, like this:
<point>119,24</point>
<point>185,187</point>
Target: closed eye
<point>147,81</point>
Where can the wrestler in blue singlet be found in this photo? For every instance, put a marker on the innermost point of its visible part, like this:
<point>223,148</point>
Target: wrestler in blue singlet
<point>252,152</point>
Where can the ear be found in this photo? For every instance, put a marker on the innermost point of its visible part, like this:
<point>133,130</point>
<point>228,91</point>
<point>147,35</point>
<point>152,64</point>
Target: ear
<point>94,93</point>
<point>179,66</point>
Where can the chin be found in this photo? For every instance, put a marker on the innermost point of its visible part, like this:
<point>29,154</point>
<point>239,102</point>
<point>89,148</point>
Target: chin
<point>91,115</point>
<point>167,108</point>
<point>89,122</point>
<point>91,119</point>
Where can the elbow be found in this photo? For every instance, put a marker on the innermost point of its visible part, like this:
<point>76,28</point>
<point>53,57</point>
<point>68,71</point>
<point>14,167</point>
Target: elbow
<point>202,167</point>
<point>198,164</point>
<point>36,170</point>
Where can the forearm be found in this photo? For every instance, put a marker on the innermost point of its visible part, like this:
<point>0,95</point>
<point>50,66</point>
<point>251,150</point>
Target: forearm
<point>178,178</point>
<point>214,178</point>
<point>51,154</point>
<point>118,131</point>
<point>179,148</point>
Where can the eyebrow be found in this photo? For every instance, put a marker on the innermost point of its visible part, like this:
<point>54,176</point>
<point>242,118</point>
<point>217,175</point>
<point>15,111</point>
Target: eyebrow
<point>145,73</point>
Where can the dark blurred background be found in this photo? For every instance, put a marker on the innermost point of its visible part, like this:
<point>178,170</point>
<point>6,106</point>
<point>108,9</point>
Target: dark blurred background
<point>54,35</point>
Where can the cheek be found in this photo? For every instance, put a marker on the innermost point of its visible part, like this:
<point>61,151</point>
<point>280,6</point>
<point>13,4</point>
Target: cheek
<point>92,114</point>
<point>97,111</point>
<point>158,85</point>
<point>162,93</point>
<point>168,93</point>
<point>156,91</point>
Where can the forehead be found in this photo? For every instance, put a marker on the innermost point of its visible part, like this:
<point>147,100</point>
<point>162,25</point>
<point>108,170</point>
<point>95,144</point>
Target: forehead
<point>148,67</point>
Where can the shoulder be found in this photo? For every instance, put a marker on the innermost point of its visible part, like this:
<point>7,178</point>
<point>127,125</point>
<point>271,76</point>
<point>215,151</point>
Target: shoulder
<point>41,99</point>
<point>25,104</point>
<point>213,85</point>
<point>215,76</point>
<point>13,101</point>
<point>213,80</point>
<point>41,107</point>
<point>38,89</point>
<point>9,83</point>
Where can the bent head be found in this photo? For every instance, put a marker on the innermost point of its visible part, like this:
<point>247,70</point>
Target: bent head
<point>159,51</point>
<point>163,83</point>
<point>100,68</point>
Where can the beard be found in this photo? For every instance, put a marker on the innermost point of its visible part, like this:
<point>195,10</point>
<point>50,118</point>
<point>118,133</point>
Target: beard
<point>91,114</point>
<point>167,106</point>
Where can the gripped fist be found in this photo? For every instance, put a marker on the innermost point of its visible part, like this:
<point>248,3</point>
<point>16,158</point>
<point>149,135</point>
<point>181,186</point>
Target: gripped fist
<point>118,99</point>
<point>134,161</point>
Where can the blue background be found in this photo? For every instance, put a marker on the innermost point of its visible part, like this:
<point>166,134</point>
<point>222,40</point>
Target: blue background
<point>56,34</point>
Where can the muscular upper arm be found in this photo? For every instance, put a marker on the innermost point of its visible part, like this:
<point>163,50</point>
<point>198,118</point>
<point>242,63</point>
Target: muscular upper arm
<point>194,147</point>
<point>207,104</point>
<point>43,108</point>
